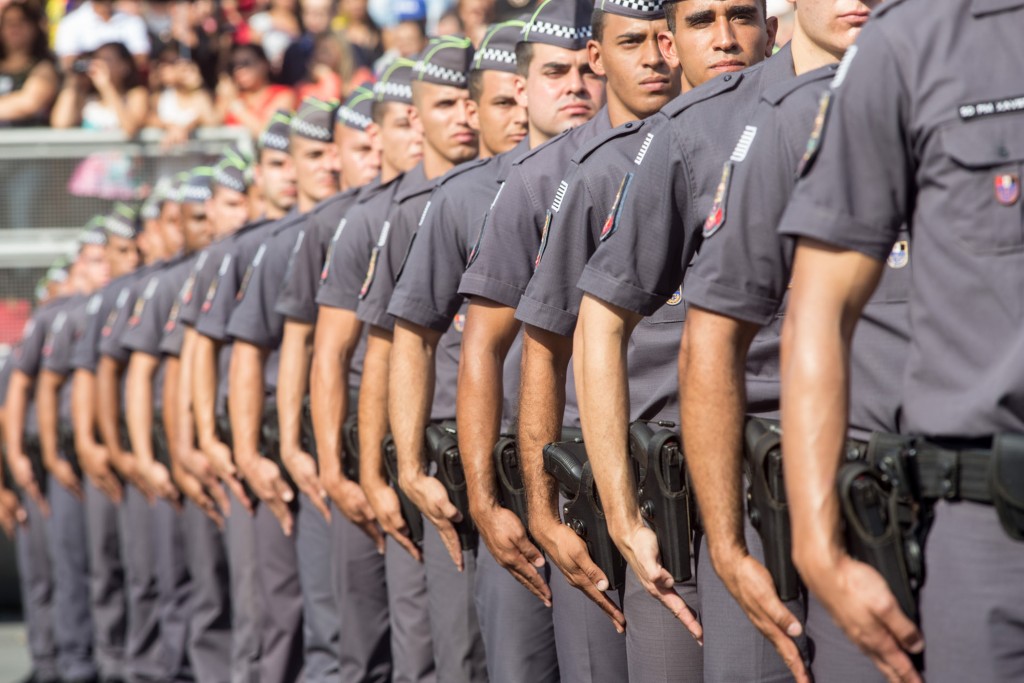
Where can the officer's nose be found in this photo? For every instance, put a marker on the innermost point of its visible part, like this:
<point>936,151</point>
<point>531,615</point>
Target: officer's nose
<point>725,35</point>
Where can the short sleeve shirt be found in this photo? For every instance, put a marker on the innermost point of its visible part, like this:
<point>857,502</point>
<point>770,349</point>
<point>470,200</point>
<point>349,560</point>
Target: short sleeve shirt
<point>83,31</point>
<point>297,300</point>
<point>65,332</point>
<point>915,136</point>
<point>86,353</point>
<point>127,307</point>
<point>28,354</point>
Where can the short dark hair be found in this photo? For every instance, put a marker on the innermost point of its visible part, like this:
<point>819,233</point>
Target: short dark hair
<point>597,24</point>
<point>672,11</point>
<point>524,55</point>
<point>378,110</point>
<point>475,85</point>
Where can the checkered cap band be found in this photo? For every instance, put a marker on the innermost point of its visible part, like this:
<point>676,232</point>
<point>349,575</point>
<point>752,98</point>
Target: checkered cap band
<point>122,221</point>
<point>562,23</point>
<point>395,84</point>
<point>230,176</point>
<point>198,187</point>
<point>357,112</point>
<point>315,120</point>
<point>446,61</point>
<point>93,236</point>
<point>497,50</point>
<point>277,134</point>
<point>640,9</point>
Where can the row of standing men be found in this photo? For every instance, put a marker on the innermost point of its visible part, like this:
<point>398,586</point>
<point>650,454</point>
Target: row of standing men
<point>361,436</point>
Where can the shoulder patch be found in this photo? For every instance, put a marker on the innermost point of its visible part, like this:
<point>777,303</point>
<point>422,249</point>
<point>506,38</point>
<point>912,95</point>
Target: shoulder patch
<point>742,149</point>
<point>611,224</point>
<point>330,249</point>
<point>544,235</point>
<point>95,301</point>
<point>247,278</point>
<point>643,149</point>
<point>716,219</point>
<point>814,141</point>
<point>899,257</point>
<point>371,271</point>
<point>423,216</point>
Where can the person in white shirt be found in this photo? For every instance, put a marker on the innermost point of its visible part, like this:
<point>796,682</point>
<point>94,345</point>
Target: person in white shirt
<point>97,23</point>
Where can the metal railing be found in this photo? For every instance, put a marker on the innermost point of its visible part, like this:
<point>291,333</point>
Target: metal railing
<point>53,181</point>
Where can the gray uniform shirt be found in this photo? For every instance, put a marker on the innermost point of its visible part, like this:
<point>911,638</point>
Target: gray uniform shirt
<point>254,319</point>
<point>743,269</point>
<point>222,295</point>
<point>517,227</point>
<point>66,331</point>
<point>599,177</point>
<point>28,354</point>
<point>656,228</point>
<point>100,308</point>
<point>927,129</point>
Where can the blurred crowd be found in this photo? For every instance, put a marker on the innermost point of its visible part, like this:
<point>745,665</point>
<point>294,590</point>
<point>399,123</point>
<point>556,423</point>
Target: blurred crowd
<point>176,65</point>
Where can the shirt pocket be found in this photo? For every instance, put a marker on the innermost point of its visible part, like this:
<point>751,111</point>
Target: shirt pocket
<point>984,183</point>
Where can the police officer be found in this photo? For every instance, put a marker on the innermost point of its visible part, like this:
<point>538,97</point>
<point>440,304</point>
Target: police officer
<point>68,550</point>
<point>144,650</point>
<point>144,407</point>
<point>940,153</point>
<point>439,89</point>
<point>21,431</point>
<point>361,652</point>
<point>253,375</point>
<point>519,643</point>
<point>202,545</point>
<point>738,284</point>
<point>338,351</point>
<point>11,512</point>
<point>206,354</point>
<point>101,487</point>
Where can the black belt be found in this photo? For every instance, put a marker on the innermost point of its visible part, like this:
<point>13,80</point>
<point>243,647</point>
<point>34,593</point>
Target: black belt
<point>950,473</point>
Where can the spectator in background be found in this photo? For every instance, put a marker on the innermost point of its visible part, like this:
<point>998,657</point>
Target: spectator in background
<point>245,95</point>
<point>275,29</point>
<point>361,30</point>
<point>97,23</point>
<point>103,92</point>
<point>181,105</point>
<point>332,70</point>
<point>408,38</point>
<point>28,78</point>
<point>194,25</point>
<point>476,16</point>
<point>316,20</point>
<point>450,24</point>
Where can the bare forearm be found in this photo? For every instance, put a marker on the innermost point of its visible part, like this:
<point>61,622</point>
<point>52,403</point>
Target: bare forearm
<point>138,404</point>
<point>292,383</point>
<point>18,388</point>
<point>204,388</point>
<point>373,410</point>
<point>245,400</point>
<point>172,386</point>
<point>83,409</point>
<point>183,434</point>
<point>713,389</point>
<point>411,394</point>
<point>47,390</point>
<point>541,409</point>
<point>108,377</point>
<point>602,381</point>
<point>328,382</point>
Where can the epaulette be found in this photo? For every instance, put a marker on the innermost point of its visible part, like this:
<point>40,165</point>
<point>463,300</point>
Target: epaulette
<point>778,92</point>
<point>625,130</point>
<point>712,88</point>
<point>372,192</point>
<point>335,199</point>
<point>886,7</point>
<point>462,169</point>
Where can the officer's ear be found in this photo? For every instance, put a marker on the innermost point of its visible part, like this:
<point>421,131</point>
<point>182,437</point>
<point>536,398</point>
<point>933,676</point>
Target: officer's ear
<point>520,89</point>
<point>667,45</point>
<point>596,58</point>
<point>415,120</point>
<point>772,27</point>
<point>373,131</point>
<point>473,114</point>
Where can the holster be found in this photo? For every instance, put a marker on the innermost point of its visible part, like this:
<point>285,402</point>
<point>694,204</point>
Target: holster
<point>410,513</point>
<point>270,442</point>
<point>1006,482</point>
<point>511,487</point>
<point>350,443</point>
<point>567,462</point>
<point>663,493</point>
<point>443,451</point>
<point>66,445</point>
<point>766,503</point>
<point>34,453</point>
<point>161,448</point>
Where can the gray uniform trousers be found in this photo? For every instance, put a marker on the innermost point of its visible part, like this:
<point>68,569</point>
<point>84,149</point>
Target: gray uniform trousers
<point>106,582</point>
<point>734,650</point>
<point>175,586</point>
<point>69,558</point>
<point>209,608</point>
<point>320,617</point>
<point>143,655</point>
<point>454,628</point>
<point>361,595</point>
<point>36,577</point>
<point>972,604</point>
<point>589,648</point>
<point>518,630</point>
<point>411,647</point>
<point>277,573</point>
<point>246,596</point>
<point>658,646</point>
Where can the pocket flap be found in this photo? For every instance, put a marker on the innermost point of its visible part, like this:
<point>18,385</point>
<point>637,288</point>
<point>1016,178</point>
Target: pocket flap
<point>986,143</point>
